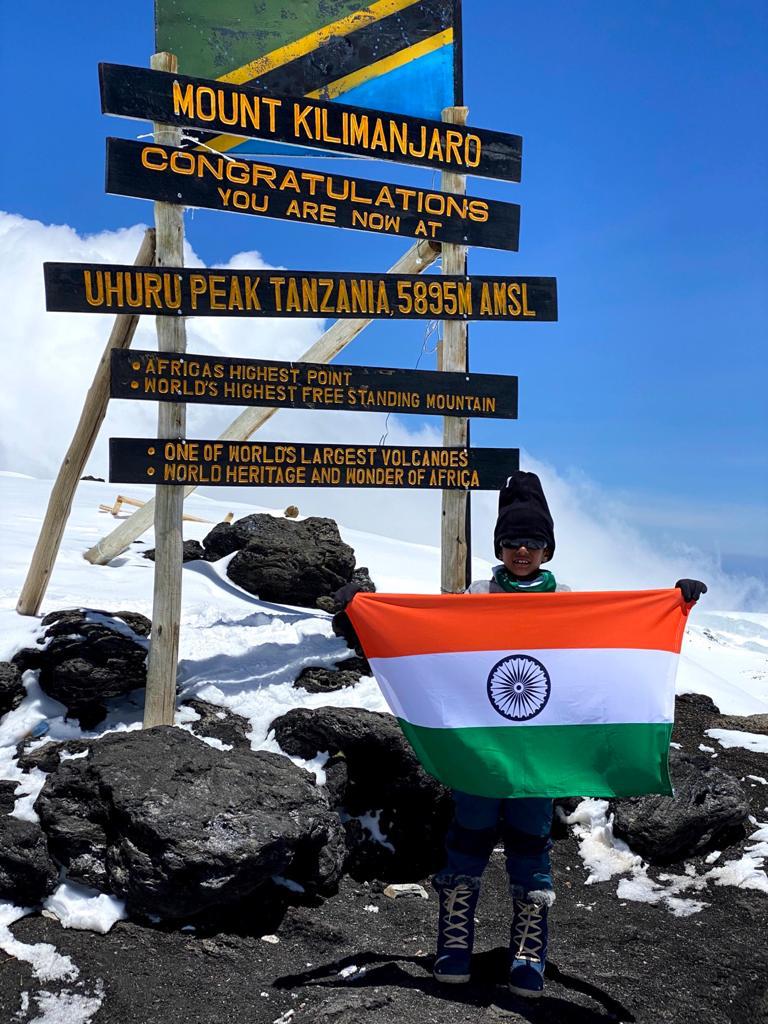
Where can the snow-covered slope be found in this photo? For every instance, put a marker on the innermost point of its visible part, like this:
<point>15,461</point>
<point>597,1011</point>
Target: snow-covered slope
<point>252,650</point>
<point>244,654</point>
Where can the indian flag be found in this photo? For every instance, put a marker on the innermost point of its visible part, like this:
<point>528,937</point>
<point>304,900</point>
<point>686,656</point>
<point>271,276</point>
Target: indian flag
<point>519,695</point>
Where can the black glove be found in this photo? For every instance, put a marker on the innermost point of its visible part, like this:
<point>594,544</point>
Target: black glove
<point>691,589</point>
<point>344,594</point>
<point>342,627</point>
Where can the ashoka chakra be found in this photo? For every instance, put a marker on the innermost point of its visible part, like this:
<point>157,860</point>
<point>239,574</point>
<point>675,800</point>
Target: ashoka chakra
<point>518,687</point>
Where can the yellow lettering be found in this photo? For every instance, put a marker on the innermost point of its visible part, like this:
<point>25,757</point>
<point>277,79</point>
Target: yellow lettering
<point>526,310</point>
<point>154,158</point>
<point>183,103</point>
<point>91,297</point>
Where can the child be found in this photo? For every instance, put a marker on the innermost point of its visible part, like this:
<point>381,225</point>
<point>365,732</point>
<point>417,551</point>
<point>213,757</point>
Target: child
<point>524,539</point>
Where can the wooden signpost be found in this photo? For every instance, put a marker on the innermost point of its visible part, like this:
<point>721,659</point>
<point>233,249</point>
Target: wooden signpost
<point>197,178</point>
<point>215,463</point>
<point>270,102</point>
<point>77,455</point>
<point>163,657</point>
<point>220,380</point>
<point>455,523</point>
<point>251,112</point>
<point>178,291</point>
<point>416,259</point>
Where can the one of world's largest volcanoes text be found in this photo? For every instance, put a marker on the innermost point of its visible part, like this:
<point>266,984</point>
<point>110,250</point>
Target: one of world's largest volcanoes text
<point>270,464</point>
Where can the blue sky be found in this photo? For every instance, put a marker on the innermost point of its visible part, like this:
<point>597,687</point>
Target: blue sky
<point>643,191</point>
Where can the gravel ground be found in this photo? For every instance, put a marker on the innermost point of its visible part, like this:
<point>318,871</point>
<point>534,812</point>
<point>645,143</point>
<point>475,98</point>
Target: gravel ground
<point>611,960</point>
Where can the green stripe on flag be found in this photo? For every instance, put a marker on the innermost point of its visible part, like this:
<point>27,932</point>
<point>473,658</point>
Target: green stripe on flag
<point>212,39</point>
<point>547,760</point>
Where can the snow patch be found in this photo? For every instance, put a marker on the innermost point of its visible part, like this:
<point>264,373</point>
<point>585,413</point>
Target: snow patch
<point>370,822</point>
<point>736,738</point>
<point>603,854</point>
<point>748,872</point>
<point>47,964</point>
<point>26,793</point>
<point>642,889</point>
<point>68,1007</point>
<point>78,906</point>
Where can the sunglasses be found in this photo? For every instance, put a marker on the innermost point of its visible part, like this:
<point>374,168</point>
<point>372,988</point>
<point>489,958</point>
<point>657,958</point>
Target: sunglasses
<point>529,543</point>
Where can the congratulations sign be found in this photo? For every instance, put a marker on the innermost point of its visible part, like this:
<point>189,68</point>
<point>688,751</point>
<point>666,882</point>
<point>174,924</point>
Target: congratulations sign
<point>196,178</point>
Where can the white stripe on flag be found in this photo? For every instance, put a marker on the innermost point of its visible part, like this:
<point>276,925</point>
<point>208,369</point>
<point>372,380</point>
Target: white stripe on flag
<point>588,686</point>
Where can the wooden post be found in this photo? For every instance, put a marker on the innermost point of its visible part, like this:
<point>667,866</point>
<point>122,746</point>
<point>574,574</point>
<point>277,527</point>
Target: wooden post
<point>420,256</point>
<point>80,447</point>
<point>454,547</point>
<point>160,699</point>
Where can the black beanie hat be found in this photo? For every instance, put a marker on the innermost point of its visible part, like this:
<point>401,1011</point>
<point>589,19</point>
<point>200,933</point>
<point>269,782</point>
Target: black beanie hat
<point>523,512</point>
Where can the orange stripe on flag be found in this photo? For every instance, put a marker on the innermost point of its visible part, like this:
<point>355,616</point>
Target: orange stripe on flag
<point>398,625</point>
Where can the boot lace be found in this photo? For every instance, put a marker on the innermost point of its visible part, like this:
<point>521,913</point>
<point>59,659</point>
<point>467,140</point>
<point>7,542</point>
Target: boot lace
<point>455,920</point>
<point>527,938</point>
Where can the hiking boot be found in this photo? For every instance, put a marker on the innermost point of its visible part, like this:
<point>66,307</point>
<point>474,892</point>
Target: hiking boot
<point>528,947</point>
<point>456,928</point>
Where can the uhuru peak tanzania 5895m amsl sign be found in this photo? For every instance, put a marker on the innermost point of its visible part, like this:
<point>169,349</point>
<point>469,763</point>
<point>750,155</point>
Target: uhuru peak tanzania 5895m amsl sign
<point>114,288</point>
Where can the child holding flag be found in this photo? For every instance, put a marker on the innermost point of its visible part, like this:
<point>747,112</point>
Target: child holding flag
<point>524,540</point>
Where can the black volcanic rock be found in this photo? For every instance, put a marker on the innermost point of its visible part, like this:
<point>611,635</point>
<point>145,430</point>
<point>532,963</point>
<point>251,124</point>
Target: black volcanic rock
<point>219,723</point>
<point>176,827</point>
<point>709,807</point>
<point>7,795</point>
<point>27,873</point>
<point>48,756</point>
<point>282,560</point>
<point>317,679</point>
<point>192,551</point>
<point>374,773</point>
<point>87,656</point>
<point>11,687</point>
<point>362,577</point>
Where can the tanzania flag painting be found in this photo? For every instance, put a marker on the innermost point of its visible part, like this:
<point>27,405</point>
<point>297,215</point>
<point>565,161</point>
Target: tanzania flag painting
<point>401,56</point>
<point>521,695</point>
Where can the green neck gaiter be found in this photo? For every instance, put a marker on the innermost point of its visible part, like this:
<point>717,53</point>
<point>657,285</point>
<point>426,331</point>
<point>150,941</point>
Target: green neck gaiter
<point>544,583</point>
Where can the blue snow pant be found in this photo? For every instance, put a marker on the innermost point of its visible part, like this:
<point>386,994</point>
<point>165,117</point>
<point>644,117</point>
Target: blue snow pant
<point>524,827</point>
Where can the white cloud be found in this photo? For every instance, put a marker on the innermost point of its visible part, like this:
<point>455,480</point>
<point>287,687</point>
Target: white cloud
<point>49,363</point>
<point>50,358</point>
